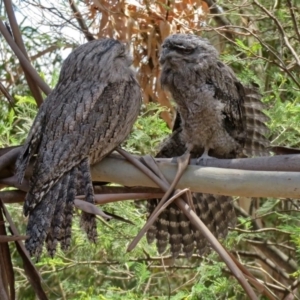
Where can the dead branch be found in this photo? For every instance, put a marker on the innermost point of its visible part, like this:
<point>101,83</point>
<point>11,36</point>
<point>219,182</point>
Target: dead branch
<point>30,270</point>
<point>19,41</point>
<point>269,249</point>
<point>7,95</point>
<point>281,30</point>
<point>265,260</point>
<point>231,182</point>
<point>295,21</point>
<point>157,177</point>
<point>88,35</point>
<point>276,176</point>
<point>23,60</point>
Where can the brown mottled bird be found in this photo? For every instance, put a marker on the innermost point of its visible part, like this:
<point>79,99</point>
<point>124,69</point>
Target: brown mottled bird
<point>88,114</point>
<point>217,116</point>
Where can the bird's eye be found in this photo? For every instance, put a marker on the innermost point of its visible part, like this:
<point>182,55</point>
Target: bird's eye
<point>186,51</point>
<point>183,50</point>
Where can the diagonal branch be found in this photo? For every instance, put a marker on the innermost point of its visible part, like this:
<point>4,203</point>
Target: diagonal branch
<point>197,223</point>
<point>269,249</point>
<point>280,28</point>
<point>23,60</point>
<point>281,64</point>
<point>7,96</point>
<point>295,21</point>
<point>19,41</point>
<point>30,270</point>
<point>88,35</point>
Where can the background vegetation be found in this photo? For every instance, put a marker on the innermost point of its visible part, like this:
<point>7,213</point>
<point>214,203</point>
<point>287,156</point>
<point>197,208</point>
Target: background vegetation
<point>260,41</point>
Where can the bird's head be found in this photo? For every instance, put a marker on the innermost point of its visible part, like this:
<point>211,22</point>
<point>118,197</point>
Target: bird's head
<point>180,49</point>
<point>96,58</point>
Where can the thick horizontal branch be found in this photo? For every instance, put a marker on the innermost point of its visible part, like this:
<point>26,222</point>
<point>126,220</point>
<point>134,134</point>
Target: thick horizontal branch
<point>231,182</point>
<point>275,176</point>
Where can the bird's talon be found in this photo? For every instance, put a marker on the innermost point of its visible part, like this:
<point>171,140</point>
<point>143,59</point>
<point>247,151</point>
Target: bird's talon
<point>203,160</point>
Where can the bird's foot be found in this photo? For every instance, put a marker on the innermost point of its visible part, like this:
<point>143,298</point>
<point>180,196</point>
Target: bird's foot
<point>202,160</point>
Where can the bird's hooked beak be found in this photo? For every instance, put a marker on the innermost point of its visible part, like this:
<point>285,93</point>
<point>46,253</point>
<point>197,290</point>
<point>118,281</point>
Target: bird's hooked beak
<point>162,57</point>
<point>167,57</point>
<point>128,53</point>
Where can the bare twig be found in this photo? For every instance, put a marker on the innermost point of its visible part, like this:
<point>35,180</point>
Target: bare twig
<point>30,270</point>
<point>265,260</point>
<point>88,35</point>
<point>7,96</point>
<point>261,230</point>
<point>260,287</point>
<point>218,15</point>
<point>121,193</point>
<point>23,60</point>
<point>279,26</point>
<point>281,63</point>
<point>7,278</point>
<point>293,287</point>
<point>12,238</point>
<point>269,250</point>
<point>15,196</point>
<point>282,260</point>
<point>3,293</point>
<point>9,158</point>
<point>108,198</point>
<point>19,41</point>
<point>295,21</point>
<point>91,209</point>
<point>197,223</point>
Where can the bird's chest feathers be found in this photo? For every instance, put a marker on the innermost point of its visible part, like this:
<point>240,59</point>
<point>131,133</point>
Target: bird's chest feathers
<point>203,123</point>
<point>206,115</point>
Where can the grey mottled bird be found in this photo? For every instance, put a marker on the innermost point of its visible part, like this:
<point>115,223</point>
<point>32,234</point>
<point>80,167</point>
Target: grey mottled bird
<point>88,114</point>
<point>217,117</point>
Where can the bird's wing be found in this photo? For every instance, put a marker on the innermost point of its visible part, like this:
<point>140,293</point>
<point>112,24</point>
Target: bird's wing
<point>244,118</point>
<point>257,142</point>
<point>83,123</point>
<point>231,93</point>
<point>173,226</point>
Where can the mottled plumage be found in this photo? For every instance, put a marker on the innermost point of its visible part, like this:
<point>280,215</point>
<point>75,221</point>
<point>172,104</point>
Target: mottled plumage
<point>218,116</point>
<point>208,96</point>
<point>87,115</point>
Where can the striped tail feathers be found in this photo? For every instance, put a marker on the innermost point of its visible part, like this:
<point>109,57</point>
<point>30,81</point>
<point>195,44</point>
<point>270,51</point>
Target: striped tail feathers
<point>36,194</point>
<point>40,220</point>
<point>256,142</point>
<point>175,236</point>
<point>50,220</point>
<point>51,211</point>
<point>187,234</point>
<point>85,185</point>
<point>217,213</point>
<point>54,233</point>
<point>173,227</point>
<point>66,225</point>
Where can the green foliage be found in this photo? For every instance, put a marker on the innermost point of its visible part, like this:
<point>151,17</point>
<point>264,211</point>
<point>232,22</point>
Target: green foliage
<point>285,115</point>
<point>105,270</point>
<point>148,131</point>
<point>16,122</point>
<point>282,100</point>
